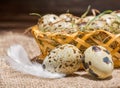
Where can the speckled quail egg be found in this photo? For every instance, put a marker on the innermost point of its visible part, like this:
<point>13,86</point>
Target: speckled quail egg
<point>95,25</point>
<point>88,18</point>
<point>46,21</point>
<point>108,18</point>
<point>70,18</point>
<point>97,61</point>
<point>84,22</point>
<point>63,26</point>
<point>63,59</point>
<point>49,18</point>
<point>116,13</point>
<point>98,25</point>
<point>67,17</point>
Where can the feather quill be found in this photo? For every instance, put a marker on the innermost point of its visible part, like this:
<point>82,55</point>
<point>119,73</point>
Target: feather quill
<point>18,60</point>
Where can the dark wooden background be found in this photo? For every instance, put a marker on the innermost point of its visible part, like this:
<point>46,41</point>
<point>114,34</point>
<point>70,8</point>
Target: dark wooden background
<point>14,14</point>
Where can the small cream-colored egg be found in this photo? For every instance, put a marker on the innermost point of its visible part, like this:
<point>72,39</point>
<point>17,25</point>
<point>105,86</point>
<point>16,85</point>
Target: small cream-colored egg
<point>49,18</point>
<point>83,22</point>
<point>63,59</point>
<point>108,18</point>
<point>98,62</point>
<point>116,13</point>
<point>98,25</point>
<point>70,18</point>
<point>64,27</point>
<point>47,21</point>
<point>67,17</point>
<point>88,18</point>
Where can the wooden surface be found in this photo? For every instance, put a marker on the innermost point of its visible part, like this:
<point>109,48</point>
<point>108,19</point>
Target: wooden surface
<point>18,23</point>
<point>14,14</point>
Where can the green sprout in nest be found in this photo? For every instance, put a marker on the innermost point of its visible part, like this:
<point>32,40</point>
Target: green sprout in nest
<point>35,14</point>
<point>96,17</point>
<point>86,12</point>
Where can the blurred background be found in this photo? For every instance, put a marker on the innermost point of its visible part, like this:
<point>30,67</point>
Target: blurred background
<point>14,14</point>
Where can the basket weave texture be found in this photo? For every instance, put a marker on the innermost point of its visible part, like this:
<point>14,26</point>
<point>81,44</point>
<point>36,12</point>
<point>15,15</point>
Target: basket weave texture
<point>82,40</point>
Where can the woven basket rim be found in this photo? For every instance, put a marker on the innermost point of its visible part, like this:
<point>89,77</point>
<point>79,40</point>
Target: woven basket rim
<point>36,29</point>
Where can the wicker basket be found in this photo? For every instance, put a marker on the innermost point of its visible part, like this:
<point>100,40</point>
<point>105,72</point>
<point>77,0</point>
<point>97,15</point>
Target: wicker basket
<point>47,41</point>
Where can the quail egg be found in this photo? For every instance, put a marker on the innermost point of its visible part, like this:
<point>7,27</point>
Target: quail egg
<point>49,18</point>
<point>97,61</point>
<point>81,24</point>
<point>67,17</point>
<point>46,21</point>
<point>116,13</point>
<point>88,18</point>
<point>64,59</point>
<point>108,18</point>
<point>70,18</point>
<point>64,27</point>
<point>98,25</point>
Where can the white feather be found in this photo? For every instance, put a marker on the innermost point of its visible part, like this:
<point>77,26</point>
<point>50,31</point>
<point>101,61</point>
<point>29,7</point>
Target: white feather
<point>18,60</point>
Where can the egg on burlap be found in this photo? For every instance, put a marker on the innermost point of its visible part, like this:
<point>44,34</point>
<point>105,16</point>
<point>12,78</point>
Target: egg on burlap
<point>97,61</point>
<point>64,59</point>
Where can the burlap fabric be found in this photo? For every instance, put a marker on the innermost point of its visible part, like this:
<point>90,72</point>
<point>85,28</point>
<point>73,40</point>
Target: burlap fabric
<point>10,78</point>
